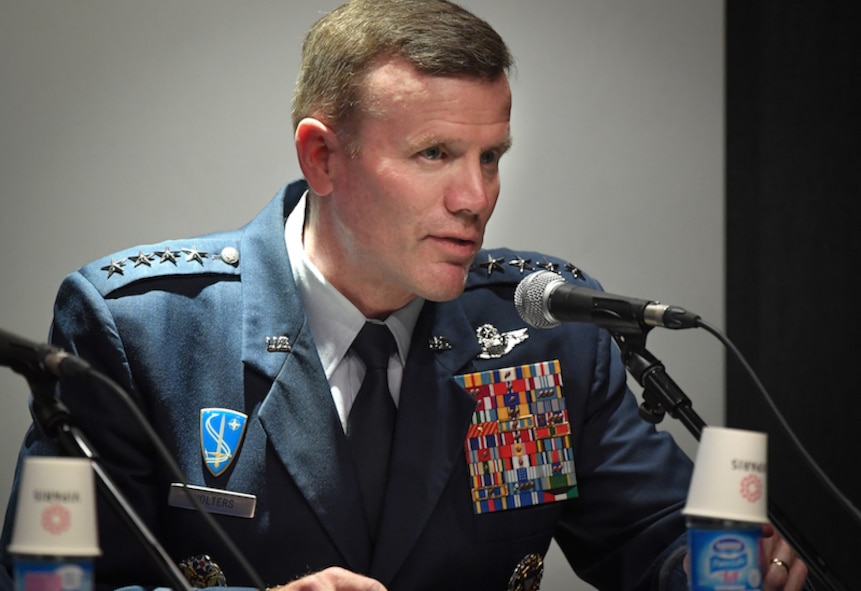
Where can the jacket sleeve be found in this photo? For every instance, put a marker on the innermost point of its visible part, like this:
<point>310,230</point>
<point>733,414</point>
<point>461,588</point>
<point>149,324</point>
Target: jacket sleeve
<point>84,326</point>
<point>626,524</point>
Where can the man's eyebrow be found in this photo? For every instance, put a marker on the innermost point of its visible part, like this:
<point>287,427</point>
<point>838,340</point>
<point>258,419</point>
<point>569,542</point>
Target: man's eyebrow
<point>424,141</point>
<point>505,145</point>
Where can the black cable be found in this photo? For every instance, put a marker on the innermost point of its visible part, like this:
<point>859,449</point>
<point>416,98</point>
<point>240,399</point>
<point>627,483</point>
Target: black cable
<point>174,468</point>
<point>819,473</point>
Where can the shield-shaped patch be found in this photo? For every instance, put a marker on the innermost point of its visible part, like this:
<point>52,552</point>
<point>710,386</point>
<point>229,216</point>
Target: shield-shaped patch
<point>221,433</point>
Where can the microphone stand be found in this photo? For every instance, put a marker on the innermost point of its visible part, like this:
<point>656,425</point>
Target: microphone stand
<point>53,417</point>
<point>662,395</point>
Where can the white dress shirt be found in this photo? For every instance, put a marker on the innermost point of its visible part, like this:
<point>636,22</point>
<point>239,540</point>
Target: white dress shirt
<point>334,322</point>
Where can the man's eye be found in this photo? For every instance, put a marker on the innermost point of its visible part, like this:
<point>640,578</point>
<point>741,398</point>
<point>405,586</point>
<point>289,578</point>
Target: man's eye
<point>434,153</point>
<point>489,157</point>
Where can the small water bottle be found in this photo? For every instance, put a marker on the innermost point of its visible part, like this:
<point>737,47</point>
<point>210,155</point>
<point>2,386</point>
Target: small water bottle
<point>724,554</point>
<point>725,511</point>
<point>53,573</point>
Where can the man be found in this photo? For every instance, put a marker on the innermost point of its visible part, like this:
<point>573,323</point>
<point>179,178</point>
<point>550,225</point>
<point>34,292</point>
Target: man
<point>239,348</point>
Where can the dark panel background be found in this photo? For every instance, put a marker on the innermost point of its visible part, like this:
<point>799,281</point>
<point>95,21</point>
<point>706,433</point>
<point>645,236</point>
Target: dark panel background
<point>794,253</point>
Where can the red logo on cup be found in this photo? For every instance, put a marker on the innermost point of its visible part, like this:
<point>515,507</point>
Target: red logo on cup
<point>56,519</point>
<point>751,488</point>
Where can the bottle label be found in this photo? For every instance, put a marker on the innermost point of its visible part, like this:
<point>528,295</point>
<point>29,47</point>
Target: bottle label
<point>725,560</point>
<point>53,575</point>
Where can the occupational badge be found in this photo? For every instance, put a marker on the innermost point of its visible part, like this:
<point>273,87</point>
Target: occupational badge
<point>439,343</point>
<point>495,344</point>
<point>221,433</point>
<point>518,447</point>
<point>527,574</point>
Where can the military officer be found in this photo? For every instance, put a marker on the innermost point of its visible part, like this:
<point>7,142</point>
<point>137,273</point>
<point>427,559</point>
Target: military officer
<point>248,351</point>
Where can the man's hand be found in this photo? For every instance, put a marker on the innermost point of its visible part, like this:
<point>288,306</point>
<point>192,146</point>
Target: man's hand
<point>783,569</point>
<point>333,579</point>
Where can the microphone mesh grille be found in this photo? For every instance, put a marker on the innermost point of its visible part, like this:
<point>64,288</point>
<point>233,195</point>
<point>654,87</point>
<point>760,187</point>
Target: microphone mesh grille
<point>530,299</point>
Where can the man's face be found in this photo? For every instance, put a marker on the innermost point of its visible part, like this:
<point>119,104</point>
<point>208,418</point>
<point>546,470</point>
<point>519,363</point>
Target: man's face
<point>407,215</point>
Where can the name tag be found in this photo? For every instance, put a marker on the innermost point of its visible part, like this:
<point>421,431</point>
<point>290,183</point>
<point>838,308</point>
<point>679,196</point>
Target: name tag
<point>213,500</point>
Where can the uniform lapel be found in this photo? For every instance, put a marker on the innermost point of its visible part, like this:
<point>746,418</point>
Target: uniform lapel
<point>298,414</point>
<point>433,417</point>
<point>303,428</point>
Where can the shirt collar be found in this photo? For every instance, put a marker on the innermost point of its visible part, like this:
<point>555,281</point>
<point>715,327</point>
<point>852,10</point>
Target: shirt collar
<point>334,321</point>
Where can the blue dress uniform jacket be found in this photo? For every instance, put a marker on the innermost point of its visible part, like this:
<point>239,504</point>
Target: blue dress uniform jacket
<point>188,325</point>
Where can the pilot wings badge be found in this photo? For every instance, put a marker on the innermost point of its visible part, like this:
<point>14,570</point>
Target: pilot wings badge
<point>221,433</point>
<point>495,344</point>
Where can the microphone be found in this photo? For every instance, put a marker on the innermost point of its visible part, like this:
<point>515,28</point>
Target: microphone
<point>544,300</point>
<point>29,358</point>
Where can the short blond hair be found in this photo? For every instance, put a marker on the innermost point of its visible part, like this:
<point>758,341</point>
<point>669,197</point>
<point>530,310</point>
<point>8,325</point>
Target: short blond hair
<point>436,36</point>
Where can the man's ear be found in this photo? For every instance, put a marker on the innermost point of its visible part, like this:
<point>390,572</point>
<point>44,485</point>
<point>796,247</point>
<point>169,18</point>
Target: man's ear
<point>316,144</point>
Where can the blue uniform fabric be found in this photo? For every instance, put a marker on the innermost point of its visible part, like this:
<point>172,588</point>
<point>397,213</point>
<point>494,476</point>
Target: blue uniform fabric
<point>192,334</point>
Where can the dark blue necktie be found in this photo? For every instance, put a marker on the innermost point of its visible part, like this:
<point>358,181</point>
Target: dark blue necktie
<point>372,418</point>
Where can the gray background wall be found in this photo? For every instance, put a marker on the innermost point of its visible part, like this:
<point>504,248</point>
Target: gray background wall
<point>125,122</point>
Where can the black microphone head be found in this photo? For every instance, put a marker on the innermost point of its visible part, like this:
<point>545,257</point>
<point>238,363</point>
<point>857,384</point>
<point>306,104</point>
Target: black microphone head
<point>532,296</point>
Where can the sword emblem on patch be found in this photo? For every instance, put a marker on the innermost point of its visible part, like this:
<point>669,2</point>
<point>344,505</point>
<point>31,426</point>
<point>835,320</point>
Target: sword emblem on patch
<point>221,433</point>
<point>518,447</point>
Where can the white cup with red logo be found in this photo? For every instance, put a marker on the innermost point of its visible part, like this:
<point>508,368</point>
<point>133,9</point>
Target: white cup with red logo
<point>726,507</point>
<point>729,479</point>
<point>56,514</point>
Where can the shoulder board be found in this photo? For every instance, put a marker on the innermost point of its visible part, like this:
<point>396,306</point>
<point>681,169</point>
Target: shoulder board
<point>500,266</point>
<point>215,254</point>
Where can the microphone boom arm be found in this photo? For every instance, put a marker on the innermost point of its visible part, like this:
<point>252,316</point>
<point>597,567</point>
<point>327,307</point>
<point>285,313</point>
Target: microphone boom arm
<point>660,393</point>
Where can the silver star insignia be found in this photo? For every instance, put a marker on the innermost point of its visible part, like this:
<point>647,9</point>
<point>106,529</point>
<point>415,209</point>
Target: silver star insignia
<point>142,259</point>
<point>114,267</point>
<point>194,255</point>
<point>492,264</point>
<point>549,266</point>
<point>495,344</point>
<point>166,256</point>
<point>521,263</point>
<point>575,272</point>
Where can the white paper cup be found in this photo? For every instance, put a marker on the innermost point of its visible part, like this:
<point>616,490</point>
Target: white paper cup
<point>56,514</point>
<point>729,479</point>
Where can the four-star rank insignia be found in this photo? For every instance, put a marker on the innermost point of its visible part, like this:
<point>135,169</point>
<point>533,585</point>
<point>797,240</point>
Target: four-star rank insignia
<point>518,447</point>
<point>221,433</point>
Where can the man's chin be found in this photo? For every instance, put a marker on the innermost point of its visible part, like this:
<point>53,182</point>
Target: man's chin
<point>447,286</point>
